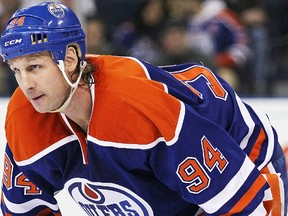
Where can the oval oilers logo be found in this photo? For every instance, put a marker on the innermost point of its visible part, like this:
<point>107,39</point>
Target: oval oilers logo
<point>56,10</point>
<point>101,199</point>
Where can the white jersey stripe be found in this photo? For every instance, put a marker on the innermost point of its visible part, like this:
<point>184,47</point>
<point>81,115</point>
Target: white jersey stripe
<point>46,151</point>
<point>281,187</point>
<point>248,120</point>
<point>270,136</point>
<point>143,67</point>
<point>260,210</point>
<point>231,188</point>
<point>251,125</point>
<point>22,208</point>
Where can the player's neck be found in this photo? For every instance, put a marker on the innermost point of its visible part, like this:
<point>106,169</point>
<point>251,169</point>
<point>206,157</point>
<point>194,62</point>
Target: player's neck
<point>80,108</point>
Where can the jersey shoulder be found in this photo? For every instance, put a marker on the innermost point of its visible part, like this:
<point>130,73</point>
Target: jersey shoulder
<point>115,68</point>
<point>129,106</point>
<point>29,132</point>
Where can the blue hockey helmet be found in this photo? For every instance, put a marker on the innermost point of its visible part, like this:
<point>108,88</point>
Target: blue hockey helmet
<point>46,26</point>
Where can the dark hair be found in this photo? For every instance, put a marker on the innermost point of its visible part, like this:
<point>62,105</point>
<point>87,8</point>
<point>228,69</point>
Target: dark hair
<point>87,75</point>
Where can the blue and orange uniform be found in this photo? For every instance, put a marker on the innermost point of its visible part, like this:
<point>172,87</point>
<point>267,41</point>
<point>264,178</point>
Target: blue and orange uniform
<point>171,140</point>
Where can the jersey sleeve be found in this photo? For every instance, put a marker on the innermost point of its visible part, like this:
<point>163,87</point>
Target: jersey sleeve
<point>219,145</point>
<point>205,166</point>
<point>20,196</point>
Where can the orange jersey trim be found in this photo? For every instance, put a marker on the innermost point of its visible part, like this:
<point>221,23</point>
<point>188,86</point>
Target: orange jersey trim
<point>274,180</point>
<point>29,132</point>
<point>129,107</point>
<point>254,154</point>
<point>46,212</point>
<point>250,194</point>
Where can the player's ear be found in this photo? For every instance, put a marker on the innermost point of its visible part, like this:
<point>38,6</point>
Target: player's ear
<point>71,59</point>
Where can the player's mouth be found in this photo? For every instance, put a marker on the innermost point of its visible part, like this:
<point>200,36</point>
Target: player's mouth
<point>36,98</point>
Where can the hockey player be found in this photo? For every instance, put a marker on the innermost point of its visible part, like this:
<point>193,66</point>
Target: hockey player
<point>124,137</point>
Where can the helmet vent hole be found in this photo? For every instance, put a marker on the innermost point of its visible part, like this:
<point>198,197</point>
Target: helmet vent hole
<point>38,38</point>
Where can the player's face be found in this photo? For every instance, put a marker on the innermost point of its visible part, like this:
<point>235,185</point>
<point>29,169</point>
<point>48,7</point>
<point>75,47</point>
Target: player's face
<point>40,80</point>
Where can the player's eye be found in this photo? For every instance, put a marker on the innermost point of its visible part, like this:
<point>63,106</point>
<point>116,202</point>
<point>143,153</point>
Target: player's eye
<point>33,67</point>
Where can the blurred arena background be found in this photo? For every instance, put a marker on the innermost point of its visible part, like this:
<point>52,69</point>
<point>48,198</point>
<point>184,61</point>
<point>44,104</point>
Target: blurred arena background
<point>245,41</point>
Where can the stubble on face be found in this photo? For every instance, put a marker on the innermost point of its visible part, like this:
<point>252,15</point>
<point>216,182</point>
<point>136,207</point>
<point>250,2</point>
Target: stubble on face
<point>48,89</point>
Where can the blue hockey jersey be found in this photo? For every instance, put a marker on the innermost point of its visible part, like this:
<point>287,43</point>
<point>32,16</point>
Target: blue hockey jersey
<point>171,140</point>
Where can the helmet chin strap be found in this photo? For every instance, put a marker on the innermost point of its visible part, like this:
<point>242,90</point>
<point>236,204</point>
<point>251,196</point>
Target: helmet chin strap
<point>73,85</point>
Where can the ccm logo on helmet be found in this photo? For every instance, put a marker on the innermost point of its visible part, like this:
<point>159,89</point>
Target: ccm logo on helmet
<point>13,42</point>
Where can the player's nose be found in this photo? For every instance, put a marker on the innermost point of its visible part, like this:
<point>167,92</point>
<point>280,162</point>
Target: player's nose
<point>26,81</point>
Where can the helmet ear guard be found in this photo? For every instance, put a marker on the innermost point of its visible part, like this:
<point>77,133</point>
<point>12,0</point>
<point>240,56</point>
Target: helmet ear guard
<point>46,26</point>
